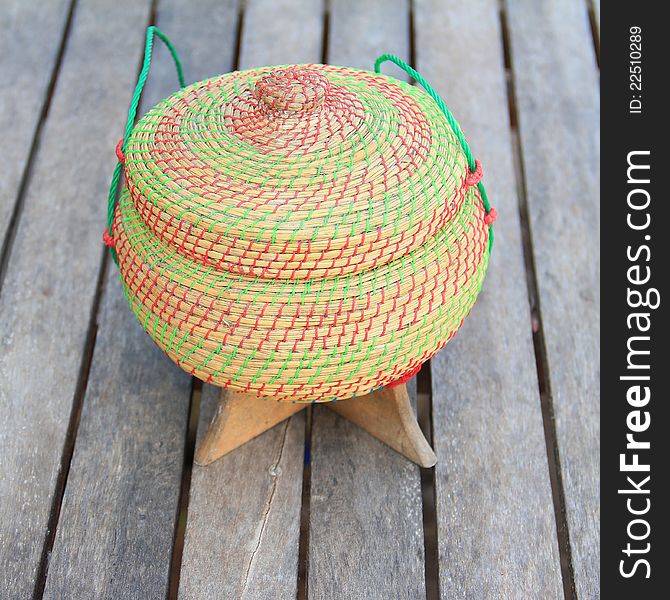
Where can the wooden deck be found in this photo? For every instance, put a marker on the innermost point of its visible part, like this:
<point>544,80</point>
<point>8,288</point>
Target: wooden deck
<point>99,497</point>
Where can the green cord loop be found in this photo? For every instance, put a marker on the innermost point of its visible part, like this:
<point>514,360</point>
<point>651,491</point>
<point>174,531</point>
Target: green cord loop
<point>414,74</point>
<point>132,113</point>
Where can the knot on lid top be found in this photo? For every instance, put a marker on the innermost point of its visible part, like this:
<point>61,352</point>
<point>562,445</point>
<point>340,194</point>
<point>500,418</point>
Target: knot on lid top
<point>295,89</point>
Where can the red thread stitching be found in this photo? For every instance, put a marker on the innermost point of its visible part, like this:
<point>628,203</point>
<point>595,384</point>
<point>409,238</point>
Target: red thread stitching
<point>405,378</point>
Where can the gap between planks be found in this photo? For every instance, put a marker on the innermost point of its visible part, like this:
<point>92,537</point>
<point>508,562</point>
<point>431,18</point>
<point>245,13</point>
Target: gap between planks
<point>185,487</point>
<point>5,253</point>
<point>303,539</point>
<point>197,387</point>
<point>91,334</point>
<point>544,383</point>
<point>71,434</point>
<point>17,210</point>
<point>302,592</point>
<point>424,409</point>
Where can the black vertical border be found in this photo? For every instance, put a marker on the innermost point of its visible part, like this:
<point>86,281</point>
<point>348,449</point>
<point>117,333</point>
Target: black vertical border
<point>621,133</point>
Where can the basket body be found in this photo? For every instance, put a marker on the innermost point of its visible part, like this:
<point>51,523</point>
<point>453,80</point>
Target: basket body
<point>308,233</point>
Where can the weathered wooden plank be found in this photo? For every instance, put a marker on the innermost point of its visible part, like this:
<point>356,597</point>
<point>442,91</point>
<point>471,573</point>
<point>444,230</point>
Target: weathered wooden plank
<point>362,31</point>
<point>366,527</point>
<point>51,278</point>
<point>30,36</point>
<point>205,37</point>
<point>244,510</point>
<point>559,127</point>
<point>278,32</point>
<point>117,523</point>
<point>496,529</point>
<point>244,516</point>
<point>116,528</point>
<point>366,530</point>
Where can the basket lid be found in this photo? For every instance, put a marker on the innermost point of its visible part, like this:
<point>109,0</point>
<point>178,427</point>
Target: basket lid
<point>296,172</point>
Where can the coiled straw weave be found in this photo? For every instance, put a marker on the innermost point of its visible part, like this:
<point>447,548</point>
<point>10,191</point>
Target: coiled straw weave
<point>304,232</point>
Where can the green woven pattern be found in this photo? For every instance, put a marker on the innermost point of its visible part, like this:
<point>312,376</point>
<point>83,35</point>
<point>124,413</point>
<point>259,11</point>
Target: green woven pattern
<point>372,174</point>
<point>322,351</point>
<point>304,232</point>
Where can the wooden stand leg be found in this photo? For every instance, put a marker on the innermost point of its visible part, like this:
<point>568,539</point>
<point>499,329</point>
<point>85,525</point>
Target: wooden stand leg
<point>386,414</point>
<point>238,419</point>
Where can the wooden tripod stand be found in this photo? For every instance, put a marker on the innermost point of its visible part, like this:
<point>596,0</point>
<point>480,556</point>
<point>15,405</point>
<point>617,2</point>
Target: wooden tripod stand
<point>385,413</point>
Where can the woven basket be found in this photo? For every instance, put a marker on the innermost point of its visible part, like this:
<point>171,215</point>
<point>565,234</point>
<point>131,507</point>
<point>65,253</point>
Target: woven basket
<point>305,232</point>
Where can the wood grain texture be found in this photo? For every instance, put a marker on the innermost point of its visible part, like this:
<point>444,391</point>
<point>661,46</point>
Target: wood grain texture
<point>366,520</point>
<point>244,510</point>
<point>389,415</point>
<point>496,529</point>
<point>204,34</point>
<point>51,278</point>
<point>239,418</point>
<point>30,36</point>
<point>366,530</point>
<point>278,32</point>
<point>115,532</point>
<point>117,523</point>
<point>244,516</point>
<point>362,31</point>
<point>559,127</point>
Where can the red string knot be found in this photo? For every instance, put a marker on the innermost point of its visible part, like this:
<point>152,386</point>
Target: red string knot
<point>476,176</point>
<point>405,378</point>
<point>491,216</point>
<point>108,239</point>
<point>119,152</point>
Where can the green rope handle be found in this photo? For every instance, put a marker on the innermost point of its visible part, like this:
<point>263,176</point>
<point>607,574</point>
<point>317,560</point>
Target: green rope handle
<point>472,164</point>
<point>132,113</point>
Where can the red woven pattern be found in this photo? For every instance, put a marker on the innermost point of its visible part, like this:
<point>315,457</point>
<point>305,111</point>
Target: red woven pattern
<point>297,340</point>
<point>252,174</point>
<point>307,233</point>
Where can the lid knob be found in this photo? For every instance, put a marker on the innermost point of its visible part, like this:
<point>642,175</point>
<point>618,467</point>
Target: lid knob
<point>295,89</point>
